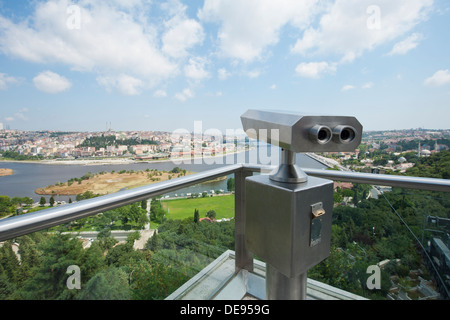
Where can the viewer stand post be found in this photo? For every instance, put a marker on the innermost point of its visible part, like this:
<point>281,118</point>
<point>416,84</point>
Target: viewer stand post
<point>288,214</point>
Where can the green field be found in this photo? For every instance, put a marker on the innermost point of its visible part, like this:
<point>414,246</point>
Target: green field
<point>184,208</point>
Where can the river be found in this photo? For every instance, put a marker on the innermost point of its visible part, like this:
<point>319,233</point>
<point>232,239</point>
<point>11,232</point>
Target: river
<point>28,177</point>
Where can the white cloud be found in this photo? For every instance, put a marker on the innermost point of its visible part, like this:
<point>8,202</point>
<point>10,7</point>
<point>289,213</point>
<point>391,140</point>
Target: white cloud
<point>160,94</point>
<point>21,114</point>
<point>314,69</point>
<point>367,85</point>
<point>440,78</point>
<point>253,74</point>
<point>129,4</point>
<point>184,95</point>
<point>112,39</point>
<point>348,87</point>
<point>223,74</point>
<point>6,80</point>
<point>273,87</point>
<point>349,28</point>
<point>125,84</point>
<point>51,82</point>
<point>406,45</point>
<point>248,28</point>
<point>195,70</point>
<point>182,33</point>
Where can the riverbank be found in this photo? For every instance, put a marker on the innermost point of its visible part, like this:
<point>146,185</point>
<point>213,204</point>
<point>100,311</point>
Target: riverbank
<point>6,172</point>
<point>80,162</point>
<point>122,161</point>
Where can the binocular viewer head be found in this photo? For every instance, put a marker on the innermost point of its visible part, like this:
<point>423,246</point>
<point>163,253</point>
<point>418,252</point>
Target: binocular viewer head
<point>298,133</point>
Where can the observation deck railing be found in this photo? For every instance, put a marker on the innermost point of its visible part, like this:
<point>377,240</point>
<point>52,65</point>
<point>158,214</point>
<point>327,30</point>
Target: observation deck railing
<point>31,222</point>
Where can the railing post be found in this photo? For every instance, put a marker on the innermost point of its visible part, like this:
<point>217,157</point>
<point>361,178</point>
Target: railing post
<point>244,259</point>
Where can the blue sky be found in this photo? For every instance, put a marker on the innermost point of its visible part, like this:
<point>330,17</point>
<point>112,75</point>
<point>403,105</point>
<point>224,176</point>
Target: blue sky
<point>161,65</point>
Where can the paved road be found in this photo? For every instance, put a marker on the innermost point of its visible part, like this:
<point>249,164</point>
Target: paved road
<point>121,235</point>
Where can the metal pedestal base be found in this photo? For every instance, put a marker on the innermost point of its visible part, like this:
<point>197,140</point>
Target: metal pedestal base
<point>280,287</point>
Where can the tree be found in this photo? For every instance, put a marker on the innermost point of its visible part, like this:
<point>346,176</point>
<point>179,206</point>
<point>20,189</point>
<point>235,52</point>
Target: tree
<point>93,260</point>
<point>176,170</point>
<point>106,241</point>
<point>132,237</point>
<point>123,255</point>
<point>155,280</point>
<point>7,287</point>
<point>49,280</point>
<point>154,243</point>
<point>211,214</point>
<point>230,184</point>
<point>157,213</point>
<point>144,204</point>
<point>30,254</point>
<point>110,284</point>
<point>42,202</point>
<point>196,215</point>
<point>52,201</point>
<point>6,207</point>
<point>86,195</point>
<point>8,262</point>
<point>17,201</point>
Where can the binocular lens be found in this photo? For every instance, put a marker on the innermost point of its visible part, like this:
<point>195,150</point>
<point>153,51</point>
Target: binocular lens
<point>344,134</point>
<point>323,135</point>
<point>320,134</point>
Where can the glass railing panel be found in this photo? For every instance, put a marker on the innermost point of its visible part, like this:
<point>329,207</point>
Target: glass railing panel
<point>145,250</point>
<point>388,243</point>
<point>384,246</point>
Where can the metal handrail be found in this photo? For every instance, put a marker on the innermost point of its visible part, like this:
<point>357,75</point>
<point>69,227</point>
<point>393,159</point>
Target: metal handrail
<point>408,182</point>
<point>31,222</point>
<point>429,184</point>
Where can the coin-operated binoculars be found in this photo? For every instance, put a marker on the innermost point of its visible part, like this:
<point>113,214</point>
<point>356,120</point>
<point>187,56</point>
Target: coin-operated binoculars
<point>288,214</point>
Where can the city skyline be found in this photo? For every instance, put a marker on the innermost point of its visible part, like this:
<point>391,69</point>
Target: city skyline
<point>162,65</point>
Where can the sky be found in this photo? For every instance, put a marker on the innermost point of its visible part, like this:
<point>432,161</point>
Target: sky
<point>148,65</point>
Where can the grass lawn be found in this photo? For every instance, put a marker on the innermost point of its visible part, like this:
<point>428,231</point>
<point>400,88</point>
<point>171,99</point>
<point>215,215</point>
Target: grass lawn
<point>184,208</point>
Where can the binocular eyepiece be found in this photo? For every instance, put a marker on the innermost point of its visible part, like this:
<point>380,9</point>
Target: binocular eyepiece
<point>340,134</point>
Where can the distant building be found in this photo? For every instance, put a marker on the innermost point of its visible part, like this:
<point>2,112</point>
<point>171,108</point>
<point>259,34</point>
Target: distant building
<point>343,185</point>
